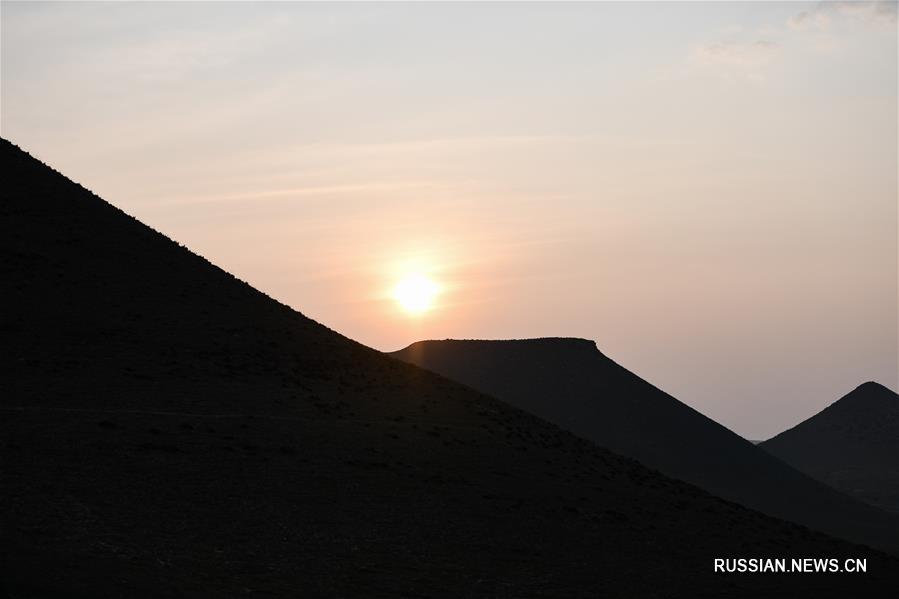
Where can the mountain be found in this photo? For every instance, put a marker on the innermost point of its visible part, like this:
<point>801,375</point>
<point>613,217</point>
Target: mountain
<point>571,383</point>
<point>168,431</point>
<point>852,445</point>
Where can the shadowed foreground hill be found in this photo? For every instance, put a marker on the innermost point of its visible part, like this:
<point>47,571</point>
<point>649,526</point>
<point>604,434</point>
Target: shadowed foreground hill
<point>167,431</point>
<point>572,384</point>
<point>852,445</point>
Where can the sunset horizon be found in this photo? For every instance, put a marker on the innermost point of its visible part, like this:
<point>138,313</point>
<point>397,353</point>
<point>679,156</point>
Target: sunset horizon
<point>670,203</point>
<point>450,299</point>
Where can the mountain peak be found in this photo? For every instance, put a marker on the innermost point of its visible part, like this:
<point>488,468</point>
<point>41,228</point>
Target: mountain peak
<point>851,444</point>
<point>872,389</point>
<point>571,384</point>
<point>566,344</point>
<point>870,397</point>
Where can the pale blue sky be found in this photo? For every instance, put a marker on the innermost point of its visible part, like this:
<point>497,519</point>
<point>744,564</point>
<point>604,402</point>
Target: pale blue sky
<point>708,190</point>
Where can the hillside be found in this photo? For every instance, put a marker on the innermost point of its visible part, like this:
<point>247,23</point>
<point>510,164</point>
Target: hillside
<point>168,431</point>
<point>852,445</point>
<point>571,383</point>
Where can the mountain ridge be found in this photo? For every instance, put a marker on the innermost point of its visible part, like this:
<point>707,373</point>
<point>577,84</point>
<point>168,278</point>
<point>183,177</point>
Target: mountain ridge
<point>852,445</point>
<point>588,393</point>
<point>169,431</point>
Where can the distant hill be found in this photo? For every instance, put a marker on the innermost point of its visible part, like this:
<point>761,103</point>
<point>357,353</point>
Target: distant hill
<point>852,445</point>
<point>168,431</point>
<point>571,383</point>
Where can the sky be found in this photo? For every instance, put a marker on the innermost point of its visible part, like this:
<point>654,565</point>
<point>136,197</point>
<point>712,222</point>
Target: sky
<point>707,190</point>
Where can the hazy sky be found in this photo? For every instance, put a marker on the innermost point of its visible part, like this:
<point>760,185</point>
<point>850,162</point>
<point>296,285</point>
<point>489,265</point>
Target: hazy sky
<point>708,190</point>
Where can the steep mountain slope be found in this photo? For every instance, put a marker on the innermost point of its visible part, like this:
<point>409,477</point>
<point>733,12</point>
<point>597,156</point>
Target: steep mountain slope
<point>572,384</point>
<point>167,431</point>
<point>852,445</point>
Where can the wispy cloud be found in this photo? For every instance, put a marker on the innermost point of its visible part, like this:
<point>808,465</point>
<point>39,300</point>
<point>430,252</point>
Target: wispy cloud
<point>744,55</point>
<point>823,28</point>
<point>296,192</point>
<point>823,14</point>
<point>747,60</point>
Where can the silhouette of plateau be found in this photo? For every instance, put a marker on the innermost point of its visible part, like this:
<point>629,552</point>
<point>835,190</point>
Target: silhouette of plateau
<point>852,445</point>
<point>569,382</point>
<point>168,431</point>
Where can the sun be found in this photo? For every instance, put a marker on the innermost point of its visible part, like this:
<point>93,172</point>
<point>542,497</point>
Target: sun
<point>416,293</point>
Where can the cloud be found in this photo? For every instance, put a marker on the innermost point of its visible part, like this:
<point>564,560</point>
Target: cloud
<point>823,14</point>
<point>750,56</point>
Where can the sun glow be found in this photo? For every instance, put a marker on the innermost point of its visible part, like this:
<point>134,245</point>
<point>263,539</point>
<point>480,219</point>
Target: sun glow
<point>416,293</point>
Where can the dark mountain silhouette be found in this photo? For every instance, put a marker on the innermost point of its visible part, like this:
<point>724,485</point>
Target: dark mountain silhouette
<point>852,445</point>
<point>571,383</point>
<point>168,431</point>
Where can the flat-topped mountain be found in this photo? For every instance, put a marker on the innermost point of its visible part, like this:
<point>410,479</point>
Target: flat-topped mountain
<point>571,383</point>
<point>168,431</point>
<point>852,445</point>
